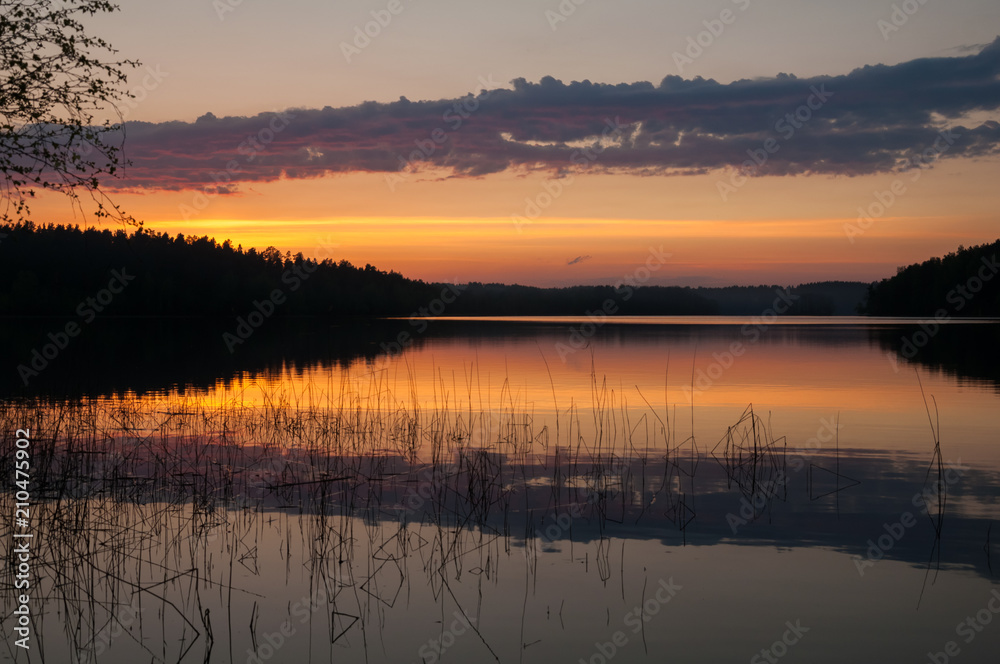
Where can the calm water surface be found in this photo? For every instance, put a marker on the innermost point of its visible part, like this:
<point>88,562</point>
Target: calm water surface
<point>527,490</point>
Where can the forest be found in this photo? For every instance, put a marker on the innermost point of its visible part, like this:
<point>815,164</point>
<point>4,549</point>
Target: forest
<point>52,270</point>
<point>960,284</point>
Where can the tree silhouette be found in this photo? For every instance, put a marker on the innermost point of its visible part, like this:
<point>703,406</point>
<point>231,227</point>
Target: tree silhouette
<point>54,78</point>
<point>48,270</point>
<point>962,283</point>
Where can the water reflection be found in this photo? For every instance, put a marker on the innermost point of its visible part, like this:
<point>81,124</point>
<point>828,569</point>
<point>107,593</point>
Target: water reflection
<point>143,356</point>
<point>965,351</point>
<point>478,499</point>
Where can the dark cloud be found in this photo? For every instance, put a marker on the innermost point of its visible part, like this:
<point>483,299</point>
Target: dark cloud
<point>871,120</point>
<point>578,259</point>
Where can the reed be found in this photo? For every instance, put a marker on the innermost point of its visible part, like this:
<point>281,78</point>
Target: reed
<point>154,507</point>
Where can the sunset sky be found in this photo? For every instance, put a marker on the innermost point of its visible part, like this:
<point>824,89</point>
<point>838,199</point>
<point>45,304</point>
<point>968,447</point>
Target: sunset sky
<point>596,131</point>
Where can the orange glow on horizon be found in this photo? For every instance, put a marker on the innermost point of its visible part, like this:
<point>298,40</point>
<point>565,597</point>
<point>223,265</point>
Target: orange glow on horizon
<point>780,230</point>
<point>780,374</point>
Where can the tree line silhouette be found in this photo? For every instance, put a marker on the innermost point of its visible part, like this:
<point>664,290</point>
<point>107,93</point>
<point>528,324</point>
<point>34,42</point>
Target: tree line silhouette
<point>962,283</point>
<point>48,270</point>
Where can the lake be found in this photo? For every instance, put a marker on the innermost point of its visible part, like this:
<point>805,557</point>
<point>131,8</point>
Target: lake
<point>514,490</point>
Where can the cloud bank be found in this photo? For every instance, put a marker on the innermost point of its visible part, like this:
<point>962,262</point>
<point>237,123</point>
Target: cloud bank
<point>874,119</point>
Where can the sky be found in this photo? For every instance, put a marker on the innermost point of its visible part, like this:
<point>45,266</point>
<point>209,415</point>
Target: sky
<point>556,143</point>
